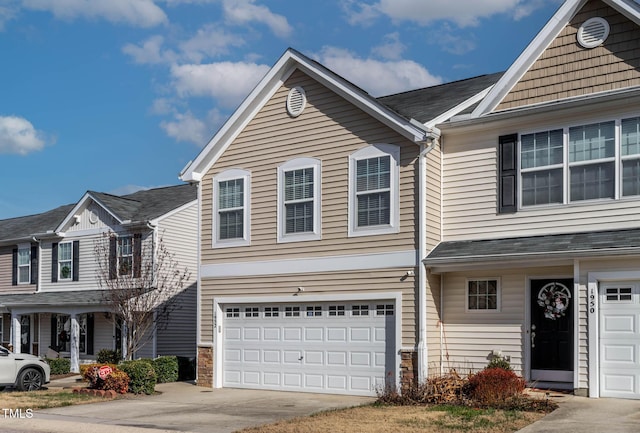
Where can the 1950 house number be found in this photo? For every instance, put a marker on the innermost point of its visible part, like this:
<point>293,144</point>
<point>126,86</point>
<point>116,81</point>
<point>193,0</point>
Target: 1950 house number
<point>592,301</point>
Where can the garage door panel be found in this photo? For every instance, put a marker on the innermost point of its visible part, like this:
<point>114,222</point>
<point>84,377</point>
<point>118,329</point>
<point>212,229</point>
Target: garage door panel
<point>620,340</point>
<point>327,348</point>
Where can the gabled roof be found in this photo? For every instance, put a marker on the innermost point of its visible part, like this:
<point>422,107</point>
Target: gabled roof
<point>142,206</point>
<point>290,61</point>
<point>628,8</point>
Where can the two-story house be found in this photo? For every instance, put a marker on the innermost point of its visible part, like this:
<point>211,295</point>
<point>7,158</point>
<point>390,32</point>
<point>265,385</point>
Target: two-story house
<point>50,297</point>
<point>540,252</point>
<point>349,242</point>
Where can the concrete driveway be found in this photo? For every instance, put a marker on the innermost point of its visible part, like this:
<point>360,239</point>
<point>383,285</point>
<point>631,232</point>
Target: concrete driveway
<point>182,407</point>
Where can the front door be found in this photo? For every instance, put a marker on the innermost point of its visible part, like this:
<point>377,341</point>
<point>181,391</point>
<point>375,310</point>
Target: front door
<point>25,334</point>
<point>552,330</point>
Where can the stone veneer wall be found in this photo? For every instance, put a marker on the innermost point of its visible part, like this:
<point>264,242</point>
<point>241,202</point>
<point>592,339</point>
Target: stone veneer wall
<point>408,368</point>
<point>205,366</point>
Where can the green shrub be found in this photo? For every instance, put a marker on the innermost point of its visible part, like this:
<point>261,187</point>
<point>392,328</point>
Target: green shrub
<point>118,381</point>
<point>499,362</point>
<point>141,374</point>
<point>108,356</point>
<point>166,368</point>
<point>59,365</point>
<point>493,386</point>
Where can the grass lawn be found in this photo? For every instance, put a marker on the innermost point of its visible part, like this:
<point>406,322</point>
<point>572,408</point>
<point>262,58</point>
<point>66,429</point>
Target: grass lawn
<point>405,419</point>
<point>44,399</point>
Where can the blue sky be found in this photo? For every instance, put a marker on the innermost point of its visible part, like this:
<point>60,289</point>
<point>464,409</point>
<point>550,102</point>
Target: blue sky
<point>119,95</point>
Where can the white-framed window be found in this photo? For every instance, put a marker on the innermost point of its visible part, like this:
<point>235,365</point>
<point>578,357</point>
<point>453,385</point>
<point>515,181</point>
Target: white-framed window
<point>299,194</point>
<point>232,312</point>
<point>231,208</point>
<point>483,294</point>
<point>313,311</point>
<point>252,312</point>
<point>592,161</point>
<point>65,261</point>
<point>359,310</point>
<point>124,255</point>
<point>24,264</point>
<point>336,310</point>
<point>374,202</point>
<point>292,311</point>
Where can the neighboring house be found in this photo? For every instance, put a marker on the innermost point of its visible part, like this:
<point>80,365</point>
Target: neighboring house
<point>540,208</point>
<point>49,294</point>
<point>348,242</point>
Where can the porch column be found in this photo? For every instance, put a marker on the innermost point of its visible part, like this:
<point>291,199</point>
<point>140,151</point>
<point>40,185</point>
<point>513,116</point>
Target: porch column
<point>124,331</point>
<point>74,349</point>
<point>15,333</point>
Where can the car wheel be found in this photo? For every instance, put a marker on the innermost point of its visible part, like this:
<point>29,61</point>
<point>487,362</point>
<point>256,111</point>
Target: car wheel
<point>30,379</point>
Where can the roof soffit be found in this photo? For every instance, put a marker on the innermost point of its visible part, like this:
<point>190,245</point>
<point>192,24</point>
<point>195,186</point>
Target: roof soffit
<point>275,78</point>
<point>562,17</point>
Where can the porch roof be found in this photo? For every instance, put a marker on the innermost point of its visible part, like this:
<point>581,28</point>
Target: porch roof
<point>546,247</point>
<point>61,298</point>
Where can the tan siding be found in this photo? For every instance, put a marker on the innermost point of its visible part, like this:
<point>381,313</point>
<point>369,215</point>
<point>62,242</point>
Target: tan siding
<point>567,69</point>
<point>434,197</point>
<point>433,324</point>
<point>388,280</point>
<point>330,129</point>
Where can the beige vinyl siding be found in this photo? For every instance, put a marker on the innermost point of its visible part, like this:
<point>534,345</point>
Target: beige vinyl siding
<point>343,283</point>
<point>567,69</point>
<point>470,337</point>
<point>6,273</point>
<point>434,197</point>
<point>469,191</point>
<point>433,324</point>
<point>330,129</point>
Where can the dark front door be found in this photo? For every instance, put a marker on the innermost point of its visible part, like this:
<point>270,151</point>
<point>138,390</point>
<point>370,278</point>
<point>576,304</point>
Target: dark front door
<point>25,334</point>
<point>552,330</point>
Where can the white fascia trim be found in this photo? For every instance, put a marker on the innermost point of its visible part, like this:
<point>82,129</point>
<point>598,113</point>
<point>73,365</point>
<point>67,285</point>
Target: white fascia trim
<point>219,319</point>
<point>533,51</point>
<point>458,108</point>
<point>628,8</point>
<point>593,325</point>
<point>308,265</point>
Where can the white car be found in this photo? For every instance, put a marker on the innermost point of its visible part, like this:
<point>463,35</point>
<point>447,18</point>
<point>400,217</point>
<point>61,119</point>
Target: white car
<point>22,371</point>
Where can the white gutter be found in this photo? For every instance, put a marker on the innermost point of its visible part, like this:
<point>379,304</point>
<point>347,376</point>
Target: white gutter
<point>423,355</point>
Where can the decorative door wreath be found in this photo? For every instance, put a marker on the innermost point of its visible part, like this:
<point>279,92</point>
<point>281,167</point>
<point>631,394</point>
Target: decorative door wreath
<point>554,299</point>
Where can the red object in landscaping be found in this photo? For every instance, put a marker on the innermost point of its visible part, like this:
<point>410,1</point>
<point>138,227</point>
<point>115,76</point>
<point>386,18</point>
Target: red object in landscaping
<point>104,372</point>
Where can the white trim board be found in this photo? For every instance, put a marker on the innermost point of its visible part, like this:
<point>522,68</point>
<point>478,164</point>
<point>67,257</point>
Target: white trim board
<point>305,265</point>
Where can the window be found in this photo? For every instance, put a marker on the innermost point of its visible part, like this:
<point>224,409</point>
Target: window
<point>618,294</point>
<point>374,191</point>
<point>251,312</point>
<point>292,312</point>
<point>359,310</point>
<point>231,190</point>
<point>271,311</point>
<point>233,312</point>
<point>584,162</point>
<point>483,295</point>
<point>24,264</point>
<point>125,255</point>
<point>384,310</point>
<point>299,200</point>
<point>65,261</point>
<point>314,311</point>
<point>336,310</point>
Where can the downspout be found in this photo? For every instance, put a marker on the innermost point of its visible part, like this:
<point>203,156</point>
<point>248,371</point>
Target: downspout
<point>426,146</point>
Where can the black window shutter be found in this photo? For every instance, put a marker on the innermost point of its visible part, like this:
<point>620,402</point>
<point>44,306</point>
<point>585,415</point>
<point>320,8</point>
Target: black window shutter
<point>76,260</point>
<point>54,263</point>
<point>54,330</point>
<point>89,334</point>
<point>113,260</point>
<point>34,264</point>
<point>137,255</point>
<point>14,267</point>
<point>508,174</point>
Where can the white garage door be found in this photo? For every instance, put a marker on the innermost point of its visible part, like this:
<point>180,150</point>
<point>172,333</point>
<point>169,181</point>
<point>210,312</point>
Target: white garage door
<point>337,348</point>
<point>620,340</point>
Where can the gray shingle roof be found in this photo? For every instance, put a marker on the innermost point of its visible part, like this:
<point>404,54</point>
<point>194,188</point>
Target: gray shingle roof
<point>140,206</point>
<point>568,245</point>
<point>67,297</point>
<point>430,102</point>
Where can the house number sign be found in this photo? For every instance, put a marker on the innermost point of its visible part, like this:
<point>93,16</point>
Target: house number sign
<point>592,301</point>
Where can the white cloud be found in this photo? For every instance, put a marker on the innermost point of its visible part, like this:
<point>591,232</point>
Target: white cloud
<point>150,51</point>
<point>245,11</point>
<point>462,12</point>
<point>18,136</point>
<point>391,49</point>
<point>188,128</point>
<point>450,41</point>
<point>378,77</point>
<point>227,82</point>
<point>209,41</point>
<point>140,13</point>
<point>7,13</point>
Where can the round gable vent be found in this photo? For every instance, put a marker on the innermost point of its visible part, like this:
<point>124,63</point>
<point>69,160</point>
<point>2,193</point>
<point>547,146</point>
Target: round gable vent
<point>593,32</point>
<point>296,101</point>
